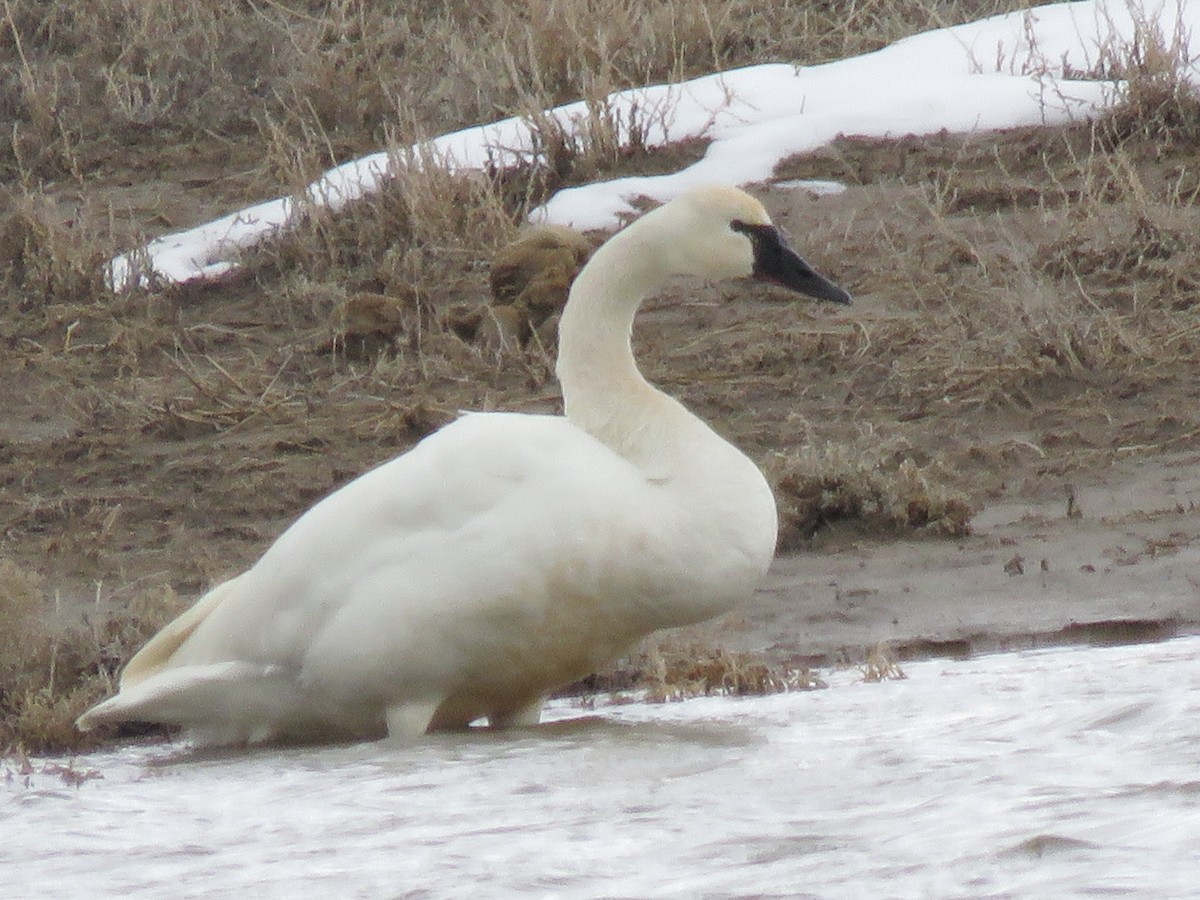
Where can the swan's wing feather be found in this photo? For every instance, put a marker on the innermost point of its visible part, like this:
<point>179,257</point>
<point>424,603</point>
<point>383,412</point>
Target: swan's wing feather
<point>550,554</point>
<point>477,524</point>
<point>163,645</point>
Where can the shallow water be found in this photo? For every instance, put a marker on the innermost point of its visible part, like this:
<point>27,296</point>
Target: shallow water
<point>1070,772</point>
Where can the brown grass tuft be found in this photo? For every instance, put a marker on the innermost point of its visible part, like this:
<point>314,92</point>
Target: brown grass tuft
<point>669,669</point>
<point>819,488</point>
<point>880,665</point>
<point>46,256</point>
<point>56,659</point>
<point>1157,101</point>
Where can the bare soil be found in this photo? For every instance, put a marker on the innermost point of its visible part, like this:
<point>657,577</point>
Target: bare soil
<point>1024,339</point>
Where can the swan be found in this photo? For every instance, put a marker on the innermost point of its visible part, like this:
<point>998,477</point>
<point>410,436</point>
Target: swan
<point>506,554</point>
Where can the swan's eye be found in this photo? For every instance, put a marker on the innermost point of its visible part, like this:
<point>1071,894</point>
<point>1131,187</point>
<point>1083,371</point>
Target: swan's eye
<point>755,233</point>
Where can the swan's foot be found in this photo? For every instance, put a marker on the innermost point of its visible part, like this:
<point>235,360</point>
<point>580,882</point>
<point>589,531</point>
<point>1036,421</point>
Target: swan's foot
<point>407,721</point>
<point>521,717</point>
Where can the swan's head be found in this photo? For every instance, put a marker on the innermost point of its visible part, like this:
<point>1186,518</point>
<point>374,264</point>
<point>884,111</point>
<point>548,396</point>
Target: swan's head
<point>722,232</point>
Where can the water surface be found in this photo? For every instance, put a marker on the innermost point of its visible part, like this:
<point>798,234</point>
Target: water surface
<point>1069,772</point>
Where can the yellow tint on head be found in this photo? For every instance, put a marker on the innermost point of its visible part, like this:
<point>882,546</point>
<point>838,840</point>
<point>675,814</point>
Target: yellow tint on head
<point>731,203</point>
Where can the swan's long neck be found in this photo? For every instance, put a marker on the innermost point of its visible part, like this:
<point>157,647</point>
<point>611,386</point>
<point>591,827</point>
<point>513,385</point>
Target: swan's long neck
<point>718,497</point>
<point>603,391</point>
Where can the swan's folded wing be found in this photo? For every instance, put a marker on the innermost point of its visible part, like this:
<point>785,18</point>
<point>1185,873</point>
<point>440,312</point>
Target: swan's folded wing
<point>457,537</point>
<point>154,655</point>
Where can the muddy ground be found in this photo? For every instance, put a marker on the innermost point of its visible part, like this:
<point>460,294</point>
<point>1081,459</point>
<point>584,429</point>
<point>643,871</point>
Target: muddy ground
<point>155,444</point>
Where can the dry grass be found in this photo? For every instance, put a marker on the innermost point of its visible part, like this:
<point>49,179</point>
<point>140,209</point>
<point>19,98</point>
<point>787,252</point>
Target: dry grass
<point>677,671</point>
<point>45,258</point>
<point>55,662</point>
<point>1157,102</point>
<point>875,492</point>
<point>425,237</point>
<point>668,669</point>
<point>880,665</point>
<point>96,79</point>
<point>1052,262</point>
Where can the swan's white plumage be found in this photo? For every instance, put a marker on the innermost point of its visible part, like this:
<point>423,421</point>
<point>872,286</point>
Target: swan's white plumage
<point>503,556</point>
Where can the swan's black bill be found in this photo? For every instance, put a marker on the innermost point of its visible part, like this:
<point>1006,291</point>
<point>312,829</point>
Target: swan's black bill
<point>777,262</point>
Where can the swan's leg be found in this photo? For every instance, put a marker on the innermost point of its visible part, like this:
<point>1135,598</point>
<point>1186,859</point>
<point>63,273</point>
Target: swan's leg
<point>521,717</point>
<point>410,720</point>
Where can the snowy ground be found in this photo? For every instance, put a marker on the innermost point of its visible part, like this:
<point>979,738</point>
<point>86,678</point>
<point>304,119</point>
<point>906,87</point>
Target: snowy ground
<point>1044,66</point>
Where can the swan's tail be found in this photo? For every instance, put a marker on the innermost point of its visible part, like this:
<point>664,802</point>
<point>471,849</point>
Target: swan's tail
<point>241,701</point>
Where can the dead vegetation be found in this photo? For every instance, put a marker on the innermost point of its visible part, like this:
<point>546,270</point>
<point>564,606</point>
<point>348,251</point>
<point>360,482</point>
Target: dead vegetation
<point>1049,275</point>
<point>56,658</point>
<point>1027,302</point>
<point>880,665</point>
<point>668,669</point>
<point>819,487</point>
<point>1157,103</point>
<point>676,671</point>
<point>101,84</point>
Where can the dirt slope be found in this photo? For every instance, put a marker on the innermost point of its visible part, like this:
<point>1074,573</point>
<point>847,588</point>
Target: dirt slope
<point>1025,330</point>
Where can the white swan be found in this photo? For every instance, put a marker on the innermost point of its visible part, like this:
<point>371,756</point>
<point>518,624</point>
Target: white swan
<point>505,555</point>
